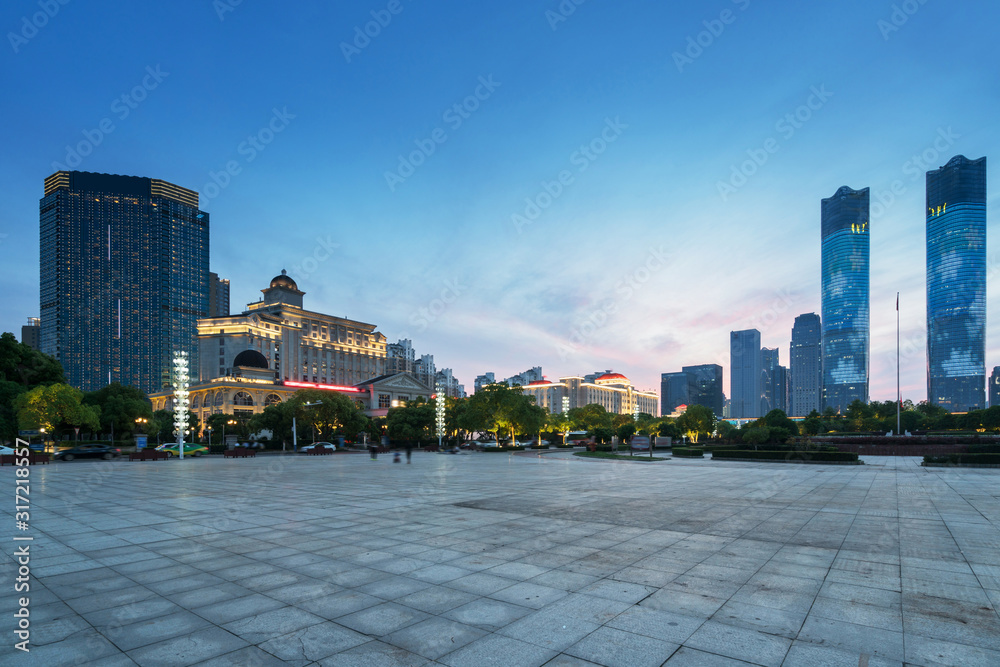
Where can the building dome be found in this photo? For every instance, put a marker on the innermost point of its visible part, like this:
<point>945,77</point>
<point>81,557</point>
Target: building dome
<point>251,358</point>
<point>284,281</point>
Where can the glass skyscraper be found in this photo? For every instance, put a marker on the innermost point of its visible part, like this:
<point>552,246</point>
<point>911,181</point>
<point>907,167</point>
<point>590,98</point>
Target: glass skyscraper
<point>806,365</point>
<point>707,386</point>
<point>744,379</point>
<point>845,299</point>
<point>956,285</point>
<point>675,389</point>
<point>124,269</point>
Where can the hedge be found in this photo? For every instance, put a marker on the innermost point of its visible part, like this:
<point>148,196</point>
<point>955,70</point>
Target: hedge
<point>959,459</point>
<point>792,456</point>
<point>984,449</point>
<point>688,452</point>
<point>503,449</point>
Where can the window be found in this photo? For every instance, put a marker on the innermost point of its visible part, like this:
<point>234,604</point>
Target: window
<point>384,400</point>
<point>242,398</point>
<point>220,398</point>
<point>272,399</point>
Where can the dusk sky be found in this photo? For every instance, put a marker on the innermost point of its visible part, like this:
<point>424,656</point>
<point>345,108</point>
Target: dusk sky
<point>644,250</point>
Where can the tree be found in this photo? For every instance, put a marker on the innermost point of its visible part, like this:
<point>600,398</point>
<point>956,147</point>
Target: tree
<point>558,422</point>
<point>119,407</point>
<point>725,429</point>
<point>756,435</point>
<point>697,420</point>
<point>590,417</point>
<point>335,414</point>
<point>56,408</point>
<point>498,408</point>
<point>413,422</point>
<point>778,419</point>
<point>625,431</point>
<point>26,366</point>
<point>532,419</point>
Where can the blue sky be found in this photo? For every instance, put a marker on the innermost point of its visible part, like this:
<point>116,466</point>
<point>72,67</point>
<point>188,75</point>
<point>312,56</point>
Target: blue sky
<point>638,261</point>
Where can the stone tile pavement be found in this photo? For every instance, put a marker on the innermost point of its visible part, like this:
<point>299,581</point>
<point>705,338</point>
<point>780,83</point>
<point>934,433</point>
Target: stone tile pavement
<point>494,559</point>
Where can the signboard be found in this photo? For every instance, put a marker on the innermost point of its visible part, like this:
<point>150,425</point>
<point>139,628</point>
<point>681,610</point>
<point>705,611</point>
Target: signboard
<point>140,442</point>
<point>29,432</point>
<point>640,443</point>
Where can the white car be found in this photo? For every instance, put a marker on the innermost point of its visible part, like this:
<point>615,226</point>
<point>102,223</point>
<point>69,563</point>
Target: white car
<point>489,444</point>
<point>327,445</point>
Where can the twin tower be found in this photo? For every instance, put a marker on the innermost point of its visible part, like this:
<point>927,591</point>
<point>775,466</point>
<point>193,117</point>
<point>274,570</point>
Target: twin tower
<point>956,290</point>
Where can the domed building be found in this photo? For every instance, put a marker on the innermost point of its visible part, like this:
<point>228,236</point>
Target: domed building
<point>277,347</point>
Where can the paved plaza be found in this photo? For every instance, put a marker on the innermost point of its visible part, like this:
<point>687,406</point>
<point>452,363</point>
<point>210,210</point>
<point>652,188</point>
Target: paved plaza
<point>499,559</point>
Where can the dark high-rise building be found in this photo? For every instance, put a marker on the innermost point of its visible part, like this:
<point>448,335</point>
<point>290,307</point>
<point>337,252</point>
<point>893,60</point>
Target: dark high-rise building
<point>773,382</point>
<point>995,387</point>
<point>805,366</point>
<point>218,296</point>
<point>30,333</point>
<point>675,389</point>
<point>956,284</point>
<point>744,380</point>
<point>707,387</point>
<point>845,281</point>
<point>124,269</point>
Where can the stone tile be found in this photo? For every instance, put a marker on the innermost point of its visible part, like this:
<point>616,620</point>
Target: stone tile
<point>739,643</point>
<point>434,637</point>
<point>549,629</point>
<point>245,657</point>
<point>487,614</point>
<point>339,604</point>
<point>689,657</point>
<point>853,638</point>
<point>616,648</point>
<point>237,608</point>
<point>270,624</point>
<point>763,619</point>
<point>620,591</point>
<point>382,619</point>
<point>142,633</point>
<point>436,599</point>
<point>664,625</point>
<point>481,583</point>
<point>498,650</point>
<point>528,594</point>
<point>374,654</point>
<point>803,653</point>
<point>194,647</point>
<point>313,642</point>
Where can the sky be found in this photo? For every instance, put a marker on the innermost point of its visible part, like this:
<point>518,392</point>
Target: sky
<point>579,184</point>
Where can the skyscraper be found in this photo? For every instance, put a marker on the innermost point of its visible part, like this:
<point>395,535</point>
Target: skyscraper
<point>773,381</point>
<point>805,365</point>
<point>218,296</point>
<point>707,383</point>
<point>675,389</point>
<point>744,380</point>
<point>124,269</point>
<point>845,280</point>
<point>995,387</point>
<point>956,284</point>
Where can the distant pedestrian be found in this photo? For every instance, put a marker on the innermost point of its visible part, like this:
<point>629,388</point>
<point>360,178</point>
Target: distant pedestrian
<point>373,450</point>
<point>409,450</point>
<point>395,457</point>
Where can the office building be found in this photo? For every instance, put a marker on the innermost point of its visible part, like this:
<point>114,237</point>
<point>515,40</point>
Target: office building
<point>124,269</point>
<point>675,389</point>
<point>707,387</point>
<point>611,390</point>
<point>805,366</point>
<point>774,381</point>
<point>745,374</point>
<point>31,332</point>
<point>218,296</point>
<point>845,297</point>
<point>956,285</point>
<point>995,387</point>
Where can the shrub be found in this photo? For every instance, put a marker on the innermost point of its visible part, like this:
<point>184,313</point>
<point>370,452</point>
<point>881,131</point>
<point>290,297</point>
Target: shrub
<point>688,452</point>
<point>784,456</point>
<point>959,459</point>
<point>216,449</point>
<point>984,449</point>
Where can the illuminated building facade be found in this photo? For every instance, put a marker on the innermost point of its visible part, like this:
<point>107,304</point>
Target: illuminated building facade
<point>845,297</point>
<point>675,389</point>
<point>995,387</point>
<point>707,388</point>
<point>956,285</point>
<point>218,296</point>
<point>806,365</point>
<point>745,376</point>
<point>614,391</point>
<point>124,265</point>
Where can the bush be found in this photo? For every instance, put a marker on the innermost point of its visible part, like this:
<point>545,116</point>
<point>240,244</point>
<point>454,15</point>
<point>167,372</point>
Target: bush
<point>216,449</point>
<point>959,459</point>
<point>688,452</point>
<point>784,456</point>
<point>984,449</point>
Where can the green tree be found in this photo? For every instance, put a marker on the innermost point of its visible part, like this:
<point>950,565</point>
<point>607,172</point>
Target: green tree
<point>26,366</point>
<point>498,409</point>
<point>57,408</point>
<point>778,419</point>
<point>697,420</point>
<point>726,430</point>
<point>625,431</point>
<point>119,407</point>
<point>756,435</point>
<point>413,422</point>
<point>559,422</point>
<point>333,413</point>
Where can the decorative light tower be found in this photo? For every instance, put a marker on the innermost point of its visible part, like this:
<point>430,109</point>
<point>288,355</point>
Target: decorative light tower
<point>565,411</point>
<point>439,410</point>
<point>181,384</point>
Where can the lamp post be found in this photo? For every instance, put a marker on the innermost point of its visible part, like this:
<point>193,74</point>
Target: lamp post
<point>295,434</point>
<point>140,421</point>
<point>231,422</point>
<point>439,401</point>
<point>565,411</point>
<point>181,379</point>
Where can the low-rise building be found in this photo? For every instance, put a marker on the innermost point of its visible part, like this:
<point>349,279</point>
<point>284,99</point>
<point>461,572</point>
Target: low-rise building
<point>611,390</point>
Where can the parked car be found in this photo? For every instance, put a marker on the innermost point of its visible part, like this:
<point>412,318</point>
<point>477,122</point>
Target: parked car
<point>327,445</point>
<point>105,452</point>
<point>7,450</point>
<point>489,444</point>
<point>190,449</point>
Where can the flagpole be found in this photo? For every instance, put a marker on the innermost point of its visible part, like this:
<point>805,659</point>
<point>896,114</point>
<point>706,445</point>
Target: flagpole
<point>899,395</point>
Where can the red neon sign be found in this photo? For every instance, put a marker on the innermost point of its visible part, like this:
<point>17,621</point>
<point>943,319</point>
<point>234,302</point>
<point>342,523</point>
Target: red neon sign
<point>328,387</point>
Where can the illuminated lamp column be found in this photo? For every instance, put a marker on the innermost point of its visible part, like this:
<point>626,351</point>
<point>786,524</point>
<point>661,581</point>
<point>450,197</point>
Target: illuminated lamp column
<point>181,399</point>
<point>439,410</point>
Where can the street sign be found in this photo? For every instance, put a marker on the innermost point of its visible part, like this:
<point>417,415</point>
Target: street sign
<point>29,432</point>
<point>140,442</point>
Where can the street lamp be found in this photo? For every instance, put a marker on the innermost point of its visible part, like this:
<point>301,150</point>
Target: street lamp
<point>181,385</point>
<point>295,434</point>
<point>139,421</point>
<point>231,422</point>
<point>439,401</point>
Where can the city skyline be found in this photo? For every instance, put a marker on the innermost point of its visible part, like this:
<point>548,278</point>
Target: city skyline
<point>456,269</point>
